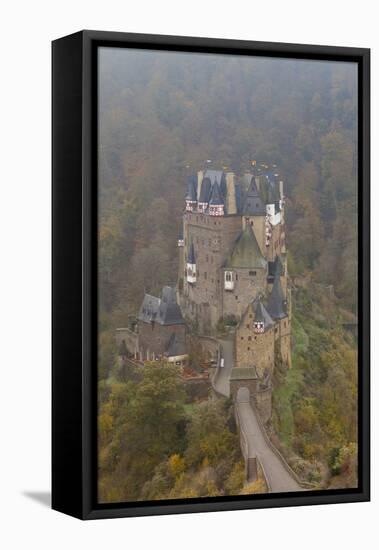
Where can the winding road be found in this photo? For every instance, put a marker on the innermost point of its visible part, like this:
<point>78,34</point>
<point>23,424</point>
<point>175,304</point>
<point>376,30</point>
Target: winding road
<point>221,380</point>
<point>277,474</point>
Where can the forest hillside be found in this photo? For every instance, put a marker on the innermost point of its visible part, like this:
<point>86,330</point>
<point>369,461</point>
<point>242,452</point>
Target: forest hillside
<point>162,116</point>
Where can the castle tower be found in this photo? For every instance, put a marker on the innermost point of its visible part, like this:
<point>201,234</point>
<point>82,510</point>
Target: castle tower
<point>191,195</point>
<point>254,213</point>
<point>205,191</point>
<point>244,273</point>
<point>231,198</point>
<point>277,307</point>
<point>216,203</point>
<point>255,340</point>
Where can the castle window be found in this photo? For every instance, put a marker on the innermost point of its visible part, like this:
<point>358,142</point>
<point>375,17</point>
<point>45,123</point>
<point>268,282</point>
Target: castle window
<point>236,297</point>
<point>247,326</point>
<point>236,276</point>
<point>249,338</point>
<point>248,349</point>
<point>252,273</point>
<point>241,337</point>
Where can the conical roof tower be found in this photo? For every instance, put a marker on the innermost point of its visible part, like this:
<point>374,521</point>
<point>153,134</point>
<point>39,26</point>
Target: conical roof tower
<point>246,252</point>
<point>276,305</point>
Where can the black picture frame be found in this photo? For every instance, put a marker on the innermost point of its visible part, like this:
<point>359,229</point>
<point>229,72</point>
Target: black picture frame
<point>74,272</point>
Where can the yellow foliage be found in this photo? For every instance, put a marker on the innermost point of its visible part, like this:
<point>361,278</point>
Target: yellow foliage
<point>256,487</point>
<point>176,465</point>
<point>105,426</point>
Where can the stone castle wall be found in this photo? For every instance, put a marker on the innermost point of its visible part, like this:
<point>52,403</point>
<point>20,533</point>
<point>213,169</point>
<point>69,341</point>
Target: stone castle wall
<point>256,350</point>
<point>247,285</point>
<point>130,338</point>
<point>212,238</point>
<point>235,385</point>
<point>284,335</point>
<point>263,402</point>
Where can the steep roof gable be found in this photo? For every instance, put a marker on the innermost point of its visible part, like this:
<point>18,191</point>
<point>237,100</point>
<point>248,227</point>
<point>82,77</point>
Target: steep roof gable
<point>253,204</point>
<point>176,346</point>
<point>276,302</point>
<point>191,194</point>
<point>205,190</point>
<point>164,311</point>
<point>246,252</point>
<point>216,198</point>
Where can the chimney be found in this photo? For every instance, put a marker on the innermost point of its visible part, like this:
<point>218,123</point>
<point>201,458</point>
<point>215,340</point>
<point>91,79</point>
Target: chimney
<point>200,176</point>
<point>231,193</point>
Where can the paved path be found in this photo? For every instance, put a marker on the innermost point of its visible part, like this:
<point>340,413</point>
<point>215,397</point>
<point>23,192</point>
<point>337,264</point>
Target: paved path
<point>278,477</point>
<point>221,380</point>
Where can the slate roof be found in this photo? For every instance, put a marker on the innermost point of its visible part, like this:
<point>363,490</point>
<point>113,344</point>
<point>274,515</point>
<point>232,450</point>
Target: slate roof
<point>149,308</point>
<point>276,302</point>
<point>261,314</point>
<point>205,190</point>
<point>269,189</point>
<point>191,194</point>
<point>253,204</point>
<point>164,311</point>
<point>214,175</point>
<point>176,346</point>
<point>216,198</point>
<point>275,267</point>
<point>238,194</point>
<point>246,252</point>
<point>191,255</point>
<point>169,312</point>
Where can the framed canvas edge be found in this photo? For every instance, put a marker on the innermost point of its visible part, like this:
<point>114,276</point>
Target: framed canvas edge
<point>89,509</point>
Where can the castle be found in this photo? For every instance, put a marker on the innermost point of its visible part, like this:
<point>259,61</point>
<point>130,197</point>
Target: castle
<point>232,271</point>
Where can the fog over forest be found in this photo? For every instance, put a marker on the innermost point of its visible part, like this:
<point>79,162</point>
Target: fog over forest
<point>161,116</point>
